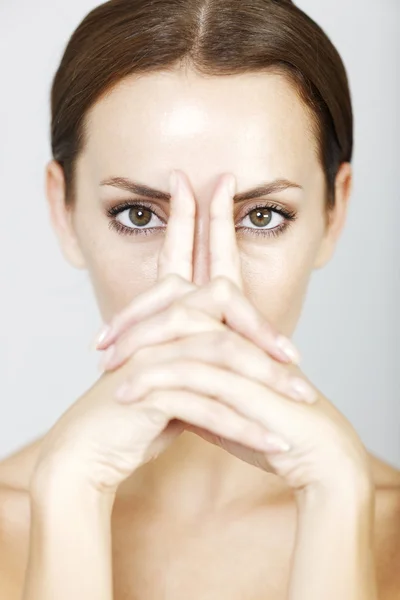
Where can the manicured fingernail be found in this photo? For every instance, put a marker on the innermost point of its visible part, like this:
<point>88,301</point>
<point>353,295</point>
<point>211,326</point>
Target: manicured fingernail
<point>275,443</point>
<point>101,336</point>
<point>302,391</point>
<point>283,344</point>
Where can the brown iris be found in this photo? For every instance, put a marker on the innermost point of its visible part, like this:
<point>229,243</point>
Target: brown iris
<point>262,216</point>
<point>141,211</point>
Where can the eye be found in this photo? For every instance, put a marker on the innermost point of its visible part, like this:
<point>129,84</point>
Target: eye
<point>267,219</point>
<point>132,218</point>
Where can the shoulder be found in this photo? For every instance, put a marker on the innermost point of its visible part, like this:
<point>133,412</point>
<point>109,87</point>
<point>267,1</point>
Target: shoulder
<point>15,471</point>
<point>387,535</point>
<point>14,540</point>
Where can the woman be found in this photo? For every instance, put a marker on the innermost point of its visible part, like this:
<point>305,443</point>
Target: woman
<point>193,468</point>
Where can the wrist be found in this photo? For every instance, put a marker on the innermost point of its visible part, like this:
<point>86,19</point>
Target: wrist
<point>352,489</point>
<point>335,534</point>
<point>345,507</point>
<point>64,487</point>
<point>70,548</point>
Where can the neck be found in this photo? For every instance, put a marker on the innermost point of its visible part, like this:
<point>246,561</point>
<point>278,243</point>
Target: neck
<point>194,476</point>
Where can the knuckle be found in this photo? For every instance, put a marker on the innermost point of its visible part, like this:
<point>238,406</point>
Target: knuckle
<point>163,403</point>
<point>156,409</point>
<point>222,289</point>
<point>184,317</point>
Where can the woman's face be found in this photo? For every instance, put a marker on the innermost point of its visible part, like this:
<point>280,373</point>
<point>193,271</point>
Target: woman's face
<point>253,126</point>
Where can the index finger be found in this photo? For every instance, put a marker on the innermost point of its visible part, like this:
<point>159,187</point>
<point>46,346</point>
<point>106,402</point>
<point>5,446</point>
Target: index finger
<point>176,256</point>
<point>224,252</point>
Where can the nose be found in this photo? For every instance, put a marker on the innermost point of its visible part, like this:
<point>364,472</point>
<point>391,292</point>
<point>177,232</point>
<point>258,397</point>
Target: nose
<point>201,252</point>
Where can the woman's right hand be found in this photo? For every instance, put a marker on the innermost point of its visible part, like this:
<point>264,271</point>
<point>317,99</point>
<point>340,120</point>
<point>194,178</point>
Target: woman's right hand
<point>99,441</point>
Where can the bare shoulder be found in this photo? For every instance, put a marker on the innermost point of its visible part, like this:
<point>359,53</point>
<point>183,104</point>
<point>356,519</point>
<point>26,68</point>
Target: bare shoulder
<point>387,529</point>
<point>14,540</point>
<point>15,471</point>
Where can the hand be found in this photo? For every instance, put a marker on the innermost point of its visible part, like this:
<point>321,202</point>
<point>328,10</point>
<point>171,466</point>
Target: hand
<point>325,448</point>
<point>98,443</point>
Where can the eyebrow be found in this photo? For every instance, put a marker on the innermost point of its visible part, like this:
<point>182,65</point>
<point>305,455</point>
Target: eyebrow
<point>265,189</point>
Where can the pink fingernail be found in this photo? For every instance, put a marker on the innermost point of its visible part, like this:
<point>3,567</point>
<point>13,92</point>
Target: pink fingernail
<point>102,336</point>
<point>302,391</point>
<point>283,344</point>
<point>275,443</point>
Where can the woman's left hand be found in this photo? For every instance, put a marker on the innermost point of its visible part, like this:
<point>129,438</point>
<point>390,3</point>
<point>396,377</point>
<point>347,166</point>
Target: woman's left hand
<point>325,451</point>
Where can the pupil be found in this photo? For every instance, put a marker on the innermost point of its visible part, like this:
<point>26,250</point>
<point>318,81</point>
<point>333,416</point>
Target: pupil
<point>140,212</point>
<point>261,215</point>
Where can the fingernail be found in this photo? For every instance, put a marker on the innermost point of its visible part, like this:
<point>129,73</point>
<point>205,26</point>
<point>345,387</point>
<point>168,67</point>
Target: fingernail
<point>101,336</point>
<point>283,344</point>
<point>275,443</point>
<point>302,391</point>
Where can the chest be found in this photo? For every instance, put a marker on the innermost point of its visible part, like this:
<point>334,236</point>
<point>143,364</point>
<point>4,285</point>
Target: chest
<point>201,563</point>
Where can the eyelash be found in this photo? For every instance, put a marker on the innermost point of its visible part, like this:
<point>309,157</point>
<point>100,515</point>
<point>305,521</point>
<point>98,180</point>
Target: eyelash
<point>289,215</point>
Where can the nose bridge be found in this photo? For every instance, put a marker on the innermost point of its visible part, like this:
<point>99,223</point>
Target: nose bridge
<point>201,253</point>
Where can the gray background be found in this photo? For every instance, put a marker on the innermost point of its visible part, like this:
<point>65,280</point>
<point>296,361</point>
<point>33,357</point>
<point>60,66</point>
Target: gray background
<point>349,331</point>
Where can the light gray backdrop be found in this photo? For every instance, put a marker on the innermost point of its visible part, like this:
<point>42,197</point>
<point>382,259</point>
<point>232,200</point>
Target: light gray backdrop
<point>349,330</point>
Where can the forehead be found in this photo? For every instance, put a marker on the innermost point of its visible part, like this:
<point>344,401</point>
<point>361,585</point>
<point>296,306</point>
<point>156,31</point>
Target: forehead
<point>187,121</point>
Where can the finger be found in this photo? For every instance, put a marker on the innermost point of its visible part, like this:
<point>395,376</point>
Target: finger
<point>222,300</point>
<point>224,252</point>
<point>175,322</point>
<point>175,259</point>
<point>228,350</point>
<point>176,255</point>
<point>150,302</point>
<point>207,414</point>
<point>249,398</point>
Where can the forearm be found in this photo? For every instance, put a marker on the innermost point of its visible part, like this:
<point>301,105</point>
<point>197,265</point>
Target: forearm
<point>70,555</point>
<point>334,555</point>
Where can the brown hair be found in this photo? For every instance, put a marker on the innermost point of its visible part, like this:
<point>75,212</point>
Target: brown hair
<point>213,38</point>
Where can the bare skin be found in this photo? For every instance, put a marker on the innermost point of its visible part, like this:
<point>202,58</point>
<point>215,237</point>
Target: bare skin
<point>214,526</point>
<point>204,547</point>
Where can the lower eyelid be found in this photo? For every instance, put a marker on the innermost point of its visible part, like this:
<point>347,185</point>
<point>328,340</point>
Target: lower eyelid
<point>272,232</point>
<point>264,228</point>
<point>136,227</point>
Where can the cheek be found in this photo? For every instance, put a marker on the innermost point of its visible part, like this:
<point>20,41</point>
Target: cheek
<point>118,277</point>
<point>276,282</point>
